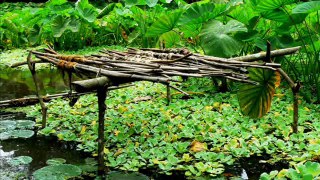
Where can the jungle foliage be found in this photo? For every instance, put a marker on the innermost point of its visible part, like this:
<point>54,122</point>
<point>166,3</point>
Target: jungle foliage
<point>218,28</point>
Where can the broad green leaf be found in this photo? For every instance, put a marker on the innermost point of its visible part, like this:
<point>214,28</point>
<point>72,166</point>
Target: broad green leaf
<point>25,124</point>
<point>20,160</point>
<point>307,7</point>
<point>55,161</point>
<point>7,125</point>
<point>169,39</point>
<point>267,5</point>
<point>74,24</point>
<point>217,38</point>
<point>62,171</point>
<point>56,2</point>
<point>255,100</point>
<point>86,10</point>
<point>151,3</point>
<point>191,30</point>
<point>243,16</point>
<point>198,13</point>
<point>34,35</point>
<point>131,2</point>
<point>106,10</point>
<point>22,133</point>
<point>276,15</point>
<point>312,168</point>
<point>165,23</point>
<point>59,25</point>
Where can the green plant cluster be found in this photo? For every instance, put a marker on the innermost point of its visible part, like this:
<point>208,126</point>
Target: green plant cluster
<point>197,136</point>
<point>219,28</point>
<point>308,170</point>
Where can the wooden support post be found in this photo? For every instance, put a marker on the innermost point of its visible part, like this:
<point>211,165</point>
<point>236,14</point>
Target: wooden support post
<point>102,95</point>
<point>295,91</point>
<point>295,87</point>
<point>44,109</point>
<point>168,94</point>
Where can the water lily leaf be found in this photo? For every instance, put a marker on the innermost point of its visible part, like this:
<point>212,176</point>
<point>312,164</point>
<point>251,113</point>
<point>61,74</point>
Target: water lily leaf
<point>22,133</point>
<point>55,161</point>
<point>307,7</point>
<point>57,172</point>
<point>255,100</point>
<point>7,125</point>
<point>20,160</point>
<point>164,24</point>
<point>5,135</point>
<point>198,146</point>
<point>86,10</point>
<point>217,38</point>
<point>25,124</point>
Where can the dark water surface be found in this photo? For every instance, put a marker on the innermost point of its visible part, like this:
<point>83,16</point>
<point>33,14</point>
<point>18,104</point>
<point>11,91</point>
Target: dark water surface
<point>15,83</point>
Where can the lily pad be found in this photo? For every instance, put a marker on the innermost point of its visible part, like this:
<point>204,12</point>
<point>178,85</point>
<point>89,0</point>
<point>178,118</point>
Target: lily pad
<point>56,161</point>
<point>20,160</point>
<point>5,136</point>
<point>57,172</point>
<point>22,133</point>
<point>7,125</point>
<point>25,124</point>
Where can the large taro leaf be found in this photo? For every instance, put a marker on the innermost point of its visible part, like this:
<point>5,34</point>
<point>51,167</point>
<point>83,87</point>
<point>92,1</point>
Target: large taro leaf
<point>57,172</point>
<point>267,5</point>
<point>198,13</point>
<point>307,7</point>
<point>86,10</point>
<point>20,160</point>
<point>255,100</point>
<point>164,24</point>
<point>217,38</point>
<point>169,39</point>
<point>60,25</point>
<point>55,2</point>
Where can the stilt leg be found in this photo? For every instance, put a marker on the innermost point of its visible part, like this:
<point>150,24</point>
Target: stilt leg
<point>44,109</point>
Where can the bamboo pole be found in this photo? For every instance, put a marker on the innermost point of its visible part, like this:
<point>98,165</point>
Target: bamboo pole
<point>44,109</point>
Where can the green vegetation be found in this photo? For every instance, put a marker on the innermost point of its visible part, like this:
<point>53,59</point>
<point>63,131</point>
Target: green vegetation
<point>198,136</point>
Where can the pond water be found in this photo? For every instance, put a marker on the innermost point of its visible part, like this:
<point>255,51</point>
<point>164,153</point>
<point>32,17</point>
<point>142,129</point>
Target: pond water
<point>15,83</point>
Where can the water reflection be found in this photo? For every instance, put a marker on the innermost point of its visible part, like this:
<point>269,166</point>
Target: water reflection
<point>16,83</point>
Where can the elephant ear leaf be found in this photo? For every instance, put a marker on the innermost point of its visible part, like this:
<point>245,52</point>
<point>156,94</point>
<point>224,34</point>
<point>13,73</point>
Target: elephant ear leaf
<point>255,100</point>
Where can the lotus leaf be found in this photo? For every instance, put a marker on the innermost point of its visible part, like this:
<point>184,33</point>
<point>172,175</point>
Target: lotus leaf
<point>20,160</point>
<point>25,124</point>
<point>7,125</point>
<point>55,161</point>
<point>22,133</point>
<point>57,172</point>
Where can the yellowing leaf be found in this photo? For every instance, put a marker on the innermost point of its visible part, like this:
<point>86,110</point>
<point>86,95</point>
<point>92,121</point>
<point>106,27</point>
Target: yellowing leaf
<point>122,109</point>
<point>198,146</point>
<point>106,150</point>
<point>60,137</point>
<point>186,158</point>
<point>118,152</point>
<point>93,123</point>
<point>116,132</point>
<point>208,108</point>
<point>278,79</point>
<point>95,154</point>
<point>83,129</point>
<point>306,109</point>
<point>216,105</point>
